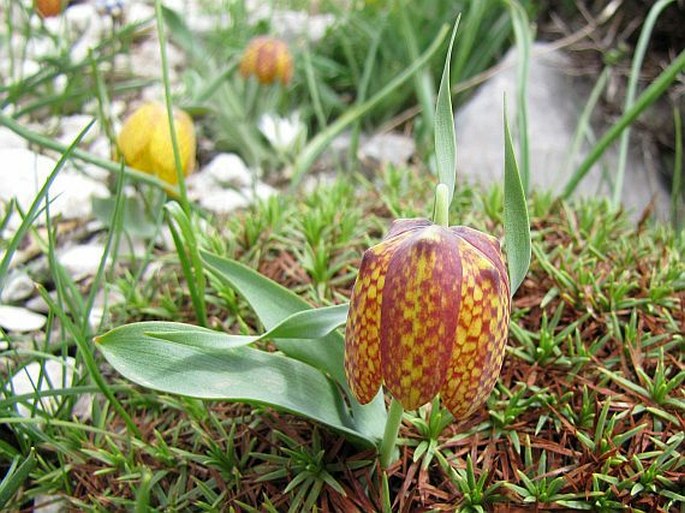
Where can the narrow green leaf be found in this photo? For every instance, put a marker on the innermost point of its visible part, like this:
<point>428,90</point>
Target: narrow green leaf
<point>310,324</point>
<point>273,304</point>
<point>516,222</point>
<point>183,366</point>
<point>195,336</point>
<point>445,137</point>
<point>649,96</point>
<point>16,476</point>
<point>635,66</point>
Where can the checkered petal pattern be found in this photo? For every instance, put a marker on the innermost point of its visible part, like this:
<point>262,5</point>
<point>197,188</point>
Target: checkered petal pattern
<point>429,315</point>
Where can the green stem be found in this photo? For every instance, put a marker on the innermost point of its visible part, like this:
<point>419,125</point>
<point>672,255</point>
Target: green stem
<point>392,428</point>
<point>180,177</point>
<point>442,204</point>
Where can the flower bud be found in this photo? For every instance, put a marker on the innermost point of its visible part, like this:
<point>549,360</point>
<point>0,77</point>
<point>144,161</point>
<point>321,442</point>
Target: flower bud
<point>145,141</point>
<point>268,59</point>
<point>429,315</point>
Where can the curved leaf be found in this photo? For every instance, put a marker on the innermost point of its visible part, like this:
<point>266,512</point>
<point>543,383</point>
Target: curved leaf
<point>191,367</point>
<point>273,304</point>
<point>445,138</point>
<point>310,324</point>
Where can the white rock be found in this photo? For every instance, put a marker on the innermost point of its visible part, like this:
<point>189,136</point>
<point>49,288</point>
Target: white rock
<point>38,304</point>
<point>17,288</point>
<point>222,201</point>
<point>146,60</point>
<point>15,318</point>
<point>261,191</point>
<point>46,375</point>
<point>137,12</point>
<point>71,127</point>
<point>81,261</point>
<point>87,27</point>
<point>75,192</point>
<point>45,503</point>
<point>9,139</point>
<point>228,169</point>
<point>23,173</point>
<point>101,305</point>
<point>555,99</point>
<point>389,147</point>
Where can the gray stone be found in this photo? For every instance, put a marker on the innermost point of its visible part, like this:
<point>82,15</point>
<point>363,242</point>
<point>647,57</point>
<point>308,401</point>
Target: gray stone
<point>45,503</point>
<point>222,201</point>
<point>103,301</point>
<point>38,304</point>
<point>9,139</point>
<point>228,169</point>
<point>22,320</point>
<point>388,148</point>
<point>23,173</point>
<point>82,260</point>
<point>71,127</point>
<point>46,375</point>
<point>555,101</point>
<point>18,287</point>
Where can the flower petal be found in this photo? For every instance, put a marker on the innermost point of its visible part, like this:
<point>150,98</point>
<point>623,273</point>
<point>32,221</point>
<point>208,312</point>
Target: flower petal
<point>488,245</point>
<point>362,332</point>
<point>477,355</point>
<point>419,314</point>
<point>400,226</point>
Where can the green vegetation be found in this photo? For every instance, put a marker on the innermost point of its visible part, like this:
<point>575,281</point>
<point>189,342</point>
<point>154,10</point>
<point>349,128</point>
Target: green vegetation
<point>587,413</point>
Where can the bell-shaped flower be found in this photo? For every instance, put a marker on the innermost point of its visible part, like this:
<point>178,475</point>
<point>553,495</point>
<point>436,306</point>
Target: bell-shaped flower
<point>429,315</point>
<point>146,145</point>
<point>268,59</point>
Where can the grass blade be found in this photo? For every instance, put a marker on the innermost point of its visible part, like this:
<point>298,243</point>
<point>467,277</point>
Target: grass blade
<point>649,96</point>
<point>516,222</point>
<point>15,477</point>
<point>638,58</point>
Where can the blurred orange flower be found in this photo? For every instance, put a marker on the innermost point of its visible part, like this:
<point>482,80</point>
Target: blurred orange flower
<point>268,59</point>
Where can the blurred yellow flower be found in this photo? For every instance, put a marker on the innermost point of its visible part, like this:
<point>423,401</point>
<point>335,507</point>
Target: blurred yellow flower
<point>145,142</point>
<point>268,59</point>
<point>429,315</point>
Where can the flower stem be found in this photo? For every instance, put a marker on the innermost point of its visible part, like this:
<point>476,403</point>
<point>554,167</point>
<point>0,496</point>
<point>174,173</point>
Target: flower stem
<point>392,427</point>
<point>442,205</point>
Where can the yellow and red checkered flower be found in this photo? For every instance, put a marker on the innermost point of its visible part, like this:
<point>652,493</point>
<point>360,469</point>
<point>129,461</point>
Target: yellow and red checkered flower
<point>268,59</point>
<point>429,315</point>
